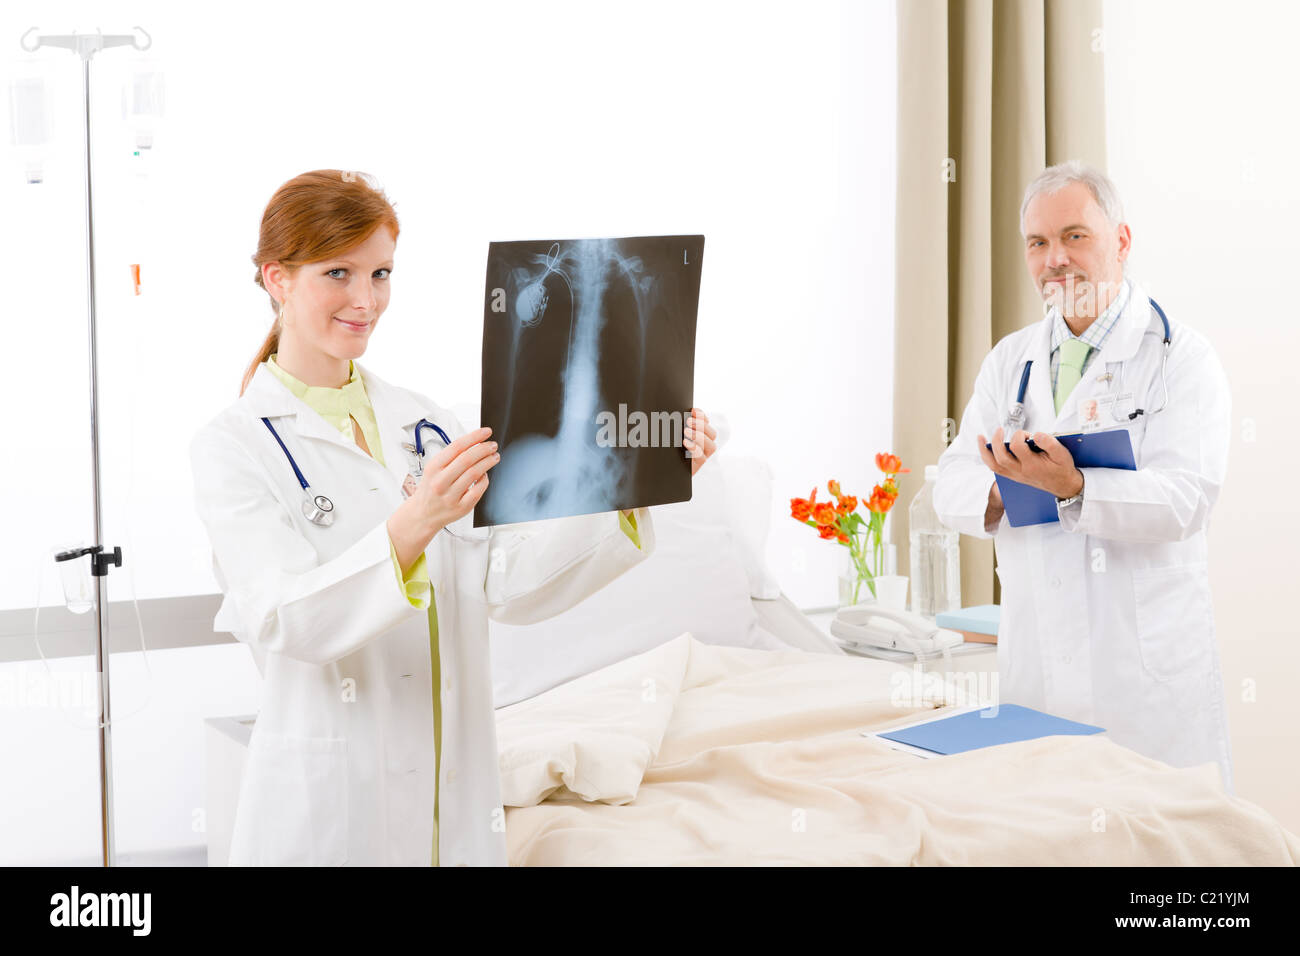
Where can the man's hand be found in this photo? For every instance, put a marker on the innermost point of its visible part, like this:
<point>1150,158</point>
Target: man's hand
<point>993,513</point>
<point>1051,469</point>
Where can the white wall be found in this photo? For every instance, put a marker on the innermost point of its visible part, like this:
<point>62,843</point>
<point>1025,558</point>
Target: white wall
<point>1202,137</point>
<point>768,127</point>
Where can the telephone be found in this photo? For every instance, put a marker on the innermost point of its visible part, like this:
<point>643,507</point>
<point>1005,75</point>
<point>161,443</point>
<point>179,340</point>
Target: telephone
<point>871,625</point>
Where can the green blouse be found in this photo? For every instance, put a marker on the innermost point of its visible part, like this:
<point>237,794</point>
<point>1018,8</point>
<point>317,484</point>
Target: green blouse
<point>338,406</point>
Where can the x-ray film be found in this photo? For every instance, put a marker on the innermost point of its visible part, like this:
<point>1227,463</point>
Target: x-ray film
<point>588,365</point>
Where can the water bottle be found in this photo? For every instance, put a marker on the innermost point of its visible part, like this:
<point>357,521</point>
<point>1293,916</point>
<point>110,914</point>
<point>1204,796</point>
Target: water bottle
<point>935,556</point>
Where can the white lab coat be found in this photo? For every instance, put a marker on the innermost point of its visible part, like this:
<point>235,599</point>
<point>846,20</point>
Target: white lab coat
<point>340,763</point>
<point>1106,616</point>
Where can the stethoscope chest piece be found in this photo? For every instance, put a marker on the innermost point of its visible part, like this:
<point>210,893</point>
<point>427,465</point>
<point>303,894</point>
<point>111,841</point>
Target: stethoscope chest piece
<point>318,509</point>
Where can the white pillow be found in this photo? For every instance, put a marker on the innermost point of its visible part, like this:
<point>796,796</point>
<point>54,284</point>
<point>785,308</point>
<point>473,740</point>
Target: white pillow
<point>699,579</point>
<point>748,483</point>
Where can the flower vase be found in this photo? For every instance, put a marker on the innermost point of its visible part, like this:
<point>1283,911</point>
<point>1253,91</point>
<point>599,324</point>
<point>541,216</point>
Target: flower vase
<point>856,587</point>
<point>891,588</point>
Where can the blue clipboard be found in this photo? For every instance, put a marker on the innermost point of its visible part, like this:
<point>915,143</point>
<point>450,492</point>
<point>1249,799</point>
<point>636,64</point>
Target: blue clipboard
<point>1026,505</point>
<point>976,729</point>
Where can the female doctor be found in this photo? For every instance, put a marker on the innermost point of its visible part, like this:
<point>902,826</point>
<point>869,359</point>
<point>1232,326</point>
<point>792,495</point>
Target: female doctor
<point>364,592</point>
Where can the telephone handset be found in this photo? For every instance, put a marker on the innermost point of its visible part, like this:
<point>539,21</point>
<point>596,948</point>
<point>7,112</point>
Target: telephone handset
<point>874,626</point>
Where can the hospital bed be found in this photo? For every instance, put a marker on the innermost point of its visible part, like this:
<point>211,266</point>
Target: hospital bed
<point>690,714</point>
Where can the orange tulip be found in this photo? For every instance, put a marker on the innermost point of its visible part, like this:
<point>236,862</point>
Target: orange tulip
<point>824,513</point>
<point>890,464</point>
<point>826,531</point>
<point>801,508</point>
<point>834,487</point>
<point>847,504</point>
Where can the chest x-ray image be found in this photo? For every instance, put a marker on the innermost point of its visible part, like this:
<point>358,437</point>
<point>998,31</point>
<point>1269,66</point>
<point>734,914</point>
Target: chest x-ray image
<point>588,365</point>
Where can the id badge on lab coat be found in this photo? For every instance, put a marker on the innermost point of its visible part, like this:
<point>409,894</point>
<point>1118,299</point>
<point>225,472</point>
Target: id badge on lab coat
<point>414,471</point>
<point>1112,412</point>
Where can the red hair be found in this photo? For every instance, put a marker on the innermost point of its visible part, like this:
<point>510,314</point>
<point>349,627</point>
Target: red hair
<point>311,218</point>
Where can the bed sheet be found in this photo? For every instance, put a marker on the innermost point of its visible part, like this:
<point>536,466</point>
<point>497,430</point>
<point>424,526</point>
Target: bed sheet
<point>705,755</point>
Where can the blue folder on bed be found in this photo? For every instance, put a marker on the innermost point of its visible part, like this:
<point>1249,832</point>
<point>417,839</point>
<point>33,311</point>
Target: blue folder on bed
<point>1026,505</point>
<point>971,731</point>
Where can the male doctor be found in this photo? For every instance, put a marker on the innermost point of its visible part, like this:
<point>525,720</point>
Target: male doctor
<point>1106,613</point>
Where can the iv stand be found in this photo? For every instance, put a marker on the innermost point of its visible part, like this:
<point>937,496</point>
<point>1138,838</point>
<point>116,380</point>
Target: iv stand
<point>87,45</point>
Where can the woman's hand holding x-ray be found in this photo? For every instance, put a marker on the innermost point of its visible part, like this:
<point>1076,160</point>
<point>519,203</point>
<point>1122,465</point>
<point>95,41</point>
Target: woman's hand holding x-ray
<point>456,477</point>
<point>454,480</point>
<point>699,439</point>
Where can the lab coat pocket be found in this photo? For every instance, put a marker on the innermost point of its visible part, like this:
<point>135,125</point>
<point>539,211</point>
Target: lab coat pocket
<point>1173,614</point>
<point>294,809</point>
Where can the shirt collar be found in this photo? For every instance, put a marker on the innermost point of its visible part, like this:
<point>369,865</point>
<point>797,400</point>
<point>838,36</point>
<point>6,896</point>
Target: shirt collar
<point>328,402</point>
<point>1096,333</point>
<point>268,396</point>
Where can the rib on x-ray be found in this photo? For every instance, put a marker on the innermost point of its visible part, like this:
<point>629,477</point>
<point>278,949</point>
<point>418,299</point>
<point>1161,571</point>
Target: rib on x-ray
<point>588,362</point>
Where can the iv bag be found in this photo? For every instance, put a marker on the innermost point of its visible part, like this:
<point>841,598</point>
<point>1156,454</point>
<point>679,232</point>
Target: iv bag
<point>142,101</point>
<point>29,117</point>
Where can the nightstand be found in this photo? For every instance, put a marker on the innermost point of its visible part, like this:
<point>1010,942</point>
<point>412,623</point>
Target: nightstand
<point>968,656</point>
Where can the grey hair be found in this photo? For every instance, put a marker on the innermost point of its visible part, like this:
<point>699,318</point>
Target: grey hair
<point>1055,178</point>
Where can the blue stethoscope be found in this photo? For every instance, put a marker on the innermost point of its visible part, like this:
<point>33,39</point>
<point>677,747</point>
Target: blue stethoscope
<point>1016,415</point>
<point>318,508</point>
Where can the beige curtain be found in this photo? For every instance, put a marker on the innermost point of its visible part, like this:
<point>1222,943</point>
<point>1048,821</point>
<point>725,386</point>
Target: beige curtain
<point>989,93</point>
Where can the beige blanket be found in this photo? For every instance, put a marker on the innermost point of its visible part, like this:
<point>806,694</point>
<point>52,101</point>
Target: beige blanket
<point>696,754</point>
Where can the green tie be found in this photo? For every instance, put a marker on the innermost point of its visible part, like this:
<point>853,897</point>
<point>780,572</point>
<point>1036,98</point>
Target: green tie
<point>1073,354</point>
